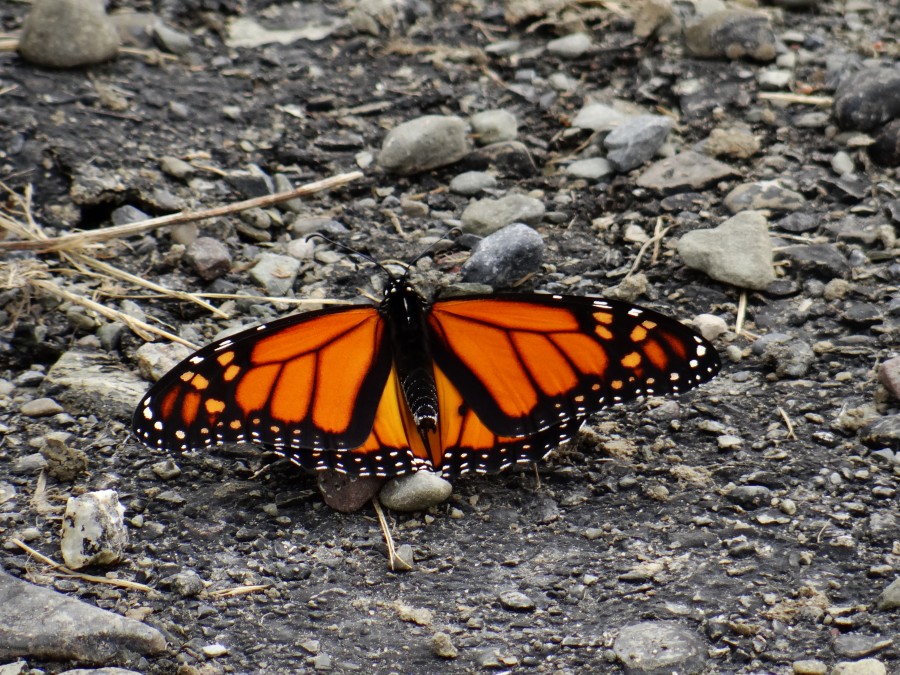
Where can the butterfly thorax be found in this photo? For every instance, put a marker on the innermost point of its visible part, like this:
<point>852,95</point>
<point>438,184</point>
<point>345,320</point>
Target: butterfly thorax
<point>405,312</point>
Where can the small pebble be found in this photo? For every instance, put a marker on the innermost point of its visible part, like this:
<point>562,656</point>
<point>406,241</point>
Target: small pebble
<point>41,407</point>
<point>571,46</point>
<point>516,601</point>
<point>471,183</point>
<point>494,126</point>
<point>415,491</point>
<point>443,646</point>
<point>424,143</point>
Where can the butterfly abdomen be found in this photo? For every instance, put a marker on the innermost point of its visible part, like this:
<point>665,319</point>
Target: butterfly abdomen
<point>405,312</point>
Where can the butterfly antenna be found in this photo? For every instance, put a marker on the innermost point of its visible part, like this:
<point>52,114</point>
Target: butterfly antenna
<point>351,251</point>
<point>452,232</point>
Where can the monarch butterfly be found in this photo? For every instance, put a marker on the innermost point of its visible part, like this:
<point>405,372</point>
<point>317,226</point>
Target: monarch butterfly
<point>470,383</point>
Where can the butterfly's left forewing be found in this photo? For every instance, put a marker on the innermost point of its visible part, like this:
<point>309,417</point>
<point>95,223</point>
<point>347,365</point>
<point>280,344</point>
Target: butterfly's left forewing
<point>305,381</point>
<point>529,362</point>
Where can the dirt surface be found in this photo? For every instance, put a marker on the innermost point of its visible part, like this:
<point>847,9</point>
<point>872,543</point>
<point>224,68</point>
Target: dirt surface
<point>640,519</point>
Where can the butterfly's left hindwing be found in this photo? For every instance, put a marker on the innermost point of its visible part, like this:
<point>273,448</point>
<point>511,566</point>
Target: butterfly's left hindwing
<point>526,363</point>
<point>306,381</point>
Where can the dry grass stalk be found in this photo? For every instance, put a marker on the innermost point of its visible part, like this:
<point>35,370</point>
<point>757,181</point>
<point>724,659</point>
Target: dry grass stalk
<point>73,249</point>
<point>79,240</point>
<point>121,583</point>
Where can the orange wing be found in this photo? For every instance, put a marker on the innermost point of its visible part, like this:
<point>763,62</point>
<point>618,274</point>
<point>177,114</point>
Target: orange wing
<point>526,363</point>
<point>305,381</point>
<point>462,443</point>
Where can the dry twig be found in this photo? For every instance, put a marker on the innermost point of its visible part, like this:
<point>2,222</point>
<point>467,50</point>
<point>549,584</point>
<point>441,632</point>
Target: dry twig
<point>78,240</point>
<point>121,583</point>
<point>395,562</point>
<point>787,422</point>
<point>741,313</point>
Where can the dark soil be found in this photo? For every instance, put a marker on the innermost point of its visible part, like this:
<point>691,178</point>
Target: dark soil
<point>635,521</point>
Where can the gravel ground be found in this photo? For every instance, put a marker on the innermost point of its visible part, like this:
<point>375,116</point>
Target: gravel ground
<point>749,526</point>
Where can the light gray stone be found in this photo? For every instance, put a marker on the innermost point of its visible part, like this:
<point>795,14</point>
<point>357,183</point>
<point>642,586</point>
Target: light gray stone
<point>766,194</point>
<point>415,491</point>
<point>570,46</point>
<point>276,273</point>
<point>486,216</point>
<point>686,170</point>
<point>494,126</point>
<point>93,530</point>
<point>38,623</point>
<point>505,257</point>
<point>424,143</point>
<point>659,646</point>
<point>737,252</point>
<point>732,34</point>
<point>68,33</point>
<point>636,140</point>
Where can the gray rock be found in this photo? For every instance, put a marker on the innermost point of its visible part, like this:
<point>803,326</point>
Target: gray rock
<point>825,259</point>
<point>509,158</point>
<point>886,148</point>
<point>598,117</point>
<point>570,46</point>
<point>737,252</point>
<point>171,40</point>
<point>486,216</point>
<point>209,258</point>
<point>283,184</point>
<point>791,358</point>
<point>775,78</point>
<point>424,143</point>
<point>732,34</point>
<point>868,99</point>
<point>591,169</point>
<point>883,526</point>
<point>883,433</point>
<point>155,359</point>
<point>494,126</point>
<point>635,141</point>
<point>91,376</point>
<point>890,597</point>
<point>504,257</point>
<point>750,496</point>
<point>798,221</point>
<point>41,407</point>
<point>128,214</point>
<point>442,645</point>
<point>175,167</point>
<point>276,273</point>
<point>516,601</point>
<point>307,225</point>
<point>889,375</point>
<point>688,170</point>
<point>68,33</point>
<point>93,530</point>
<point>64,462</point>
<point>761,195</point>
<point>858,646</point>
<point>415,491</point>
<point>471,183</point>
<point>656,647</point>
<point>736,142</point>
<point>251,183</point>
<point>187,584</point>
<point>347,494</point>
<point>655,16</point>
<point>39,623</point>
<point>842,163</point>
<point>861,667</point>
